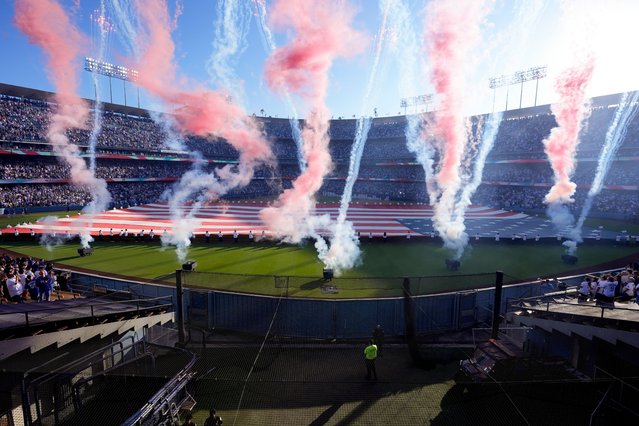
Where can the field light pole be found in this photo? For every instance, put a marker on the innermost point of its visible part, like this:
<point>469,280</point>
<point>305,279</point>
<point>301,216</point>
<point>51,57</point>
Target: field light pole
<point>537,73</point>
<point>415,101</point>
<point>494,83</point>
<point>113,71</point>
<point>519,77</point>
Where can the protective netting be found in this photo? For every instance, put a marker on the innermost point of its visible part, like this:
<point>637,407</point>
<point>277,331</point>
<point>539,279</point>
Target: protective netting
<point>342,287</point>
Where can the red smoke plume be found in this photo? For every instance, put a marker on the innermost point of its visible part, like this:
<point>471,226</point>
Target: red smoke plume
<point>570,112</point>
<point>199,111</point>
<point>452,33</point>
<point>322,34</point>
<point>47,25</point>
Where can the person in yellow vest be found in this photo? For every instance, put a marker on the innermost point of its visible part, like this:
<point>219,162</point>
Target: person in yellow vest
<point>370,355</point>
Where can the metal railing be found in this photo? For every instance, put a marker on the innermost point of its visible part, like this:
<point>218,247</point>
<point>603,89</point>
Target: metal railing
<point>93,313</point>
<point>619,391</point>
<point>30,387</point>
<point>56,395</point>
<point>165,403</point>
<point>337,287</point>
<point>546,302</point>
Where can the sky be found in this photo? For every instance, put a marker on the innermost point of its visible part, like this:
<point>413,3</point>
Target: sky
<point>515,35</point>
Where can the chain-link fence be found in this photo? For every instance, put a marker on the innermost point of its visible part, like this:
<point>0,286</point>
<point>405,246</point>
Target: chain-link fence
<point>337,308</point>
<point>336,287</point>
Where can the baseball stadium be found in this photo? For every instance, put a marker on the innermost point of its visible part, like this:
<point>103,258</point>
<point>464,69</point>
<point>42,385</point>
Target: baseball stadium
<point>171,257</point>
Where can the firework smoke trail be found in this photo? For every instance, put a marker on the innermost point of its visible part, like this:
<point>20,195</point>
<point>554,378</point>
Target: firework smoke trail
<point>193,182</point>
<point>488,137</point>
<point>201,112</point>
<point>561,145</point>
<point>344,252</point>
<point>482,136</point>
<point>269,45</point>
<point>322,33</point>
<point>126,23</point>
<point>231,29</point>
<point>570,112</point>
<point>615,137</point>
<point>103,32</point>
<point>452,32</point>
<point>420,141</point>
<point>424,151</point>
<point>46,24</point>
<point>475,131</point>
<point>407,49</point>
<point>184,218</point>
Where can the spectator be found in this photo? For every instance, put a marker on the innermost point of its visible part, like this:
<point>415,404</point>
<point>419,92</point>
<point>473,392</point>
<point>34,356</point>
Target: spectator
<point>628,291</point>
<point>44,285</point>
<point>14,288</point>
<point>213,419</point>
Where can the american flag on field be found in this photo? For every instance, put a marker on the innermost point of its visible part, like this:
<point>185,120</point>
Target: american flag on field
<point>244,217</point>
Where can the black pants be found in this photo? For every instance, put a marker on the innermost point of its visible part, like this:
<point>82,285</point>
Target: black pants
<point>370,368</point>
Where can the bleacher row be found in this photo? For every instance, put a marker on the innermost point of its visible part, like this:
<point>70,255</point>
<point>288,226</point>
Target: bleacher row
<point>139,167</point>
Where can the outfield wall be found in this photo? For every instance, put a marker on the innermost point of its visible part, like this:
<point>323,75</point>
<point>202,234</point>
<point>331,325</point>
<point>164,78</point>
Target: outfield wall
<point>325,318</point>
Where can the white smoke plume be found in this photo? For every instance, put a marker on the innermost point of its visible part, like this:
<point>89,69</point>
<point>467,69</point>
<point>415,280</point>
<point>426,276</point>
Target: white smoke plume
<point>50,237</point>
<point>48,26</point>
<point>615,136</point>
<point>344,252</point>
<point>230,41</point>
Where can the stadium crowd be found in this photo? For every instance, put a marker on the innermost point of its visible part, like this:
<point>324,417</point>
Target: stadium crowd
<point>27,120</point>
<point>23,124</point>
<point>623,173</point>
<point>607,288</point>
<point>50,168</point>
<point>45,195</point>
<point>25,279</point>
<point>621,202</point>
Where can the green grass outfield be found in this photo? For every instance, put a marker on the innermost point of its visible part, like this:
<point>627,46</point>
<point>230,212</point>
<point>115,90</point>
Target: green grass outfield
<point>375,277</point>
<point>385,261</point>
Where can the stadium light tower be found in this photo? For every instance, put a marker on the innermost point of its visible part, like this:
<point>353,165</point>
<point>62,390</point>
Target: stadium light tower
<point>535,73</point>
<point>519,77</point>
<point>416,101</point>
<point>494,83</point>
<point>113,71</point>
